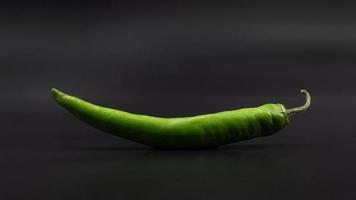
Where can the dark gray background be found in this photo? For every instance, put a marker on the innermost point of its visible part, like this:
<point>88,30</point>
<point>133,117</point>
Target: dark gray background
<point>176,59</point>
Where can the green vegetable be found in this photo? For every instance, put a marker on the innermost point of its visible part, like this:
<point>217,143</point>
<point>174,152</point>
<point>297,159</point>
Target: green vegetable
<point>202,131</point>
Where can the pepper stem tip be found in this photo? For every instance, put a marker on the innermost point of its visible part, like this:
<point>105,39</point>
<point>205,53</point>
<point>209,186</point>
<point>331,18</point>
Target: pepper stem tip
<point>292,111</point>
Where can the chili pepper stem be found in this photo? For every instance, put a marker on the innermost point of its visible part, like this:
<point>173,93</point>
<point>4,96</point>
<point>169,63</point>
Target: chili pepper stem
<point>292,111</point>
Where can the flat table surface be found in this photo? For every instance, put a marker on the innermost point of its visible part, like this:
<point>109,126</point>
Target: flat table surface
<point>312,158</point>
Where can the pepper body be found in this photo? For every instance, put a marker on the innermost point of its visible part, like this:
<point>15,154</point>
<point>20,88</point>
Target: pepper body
<point>202,131</point>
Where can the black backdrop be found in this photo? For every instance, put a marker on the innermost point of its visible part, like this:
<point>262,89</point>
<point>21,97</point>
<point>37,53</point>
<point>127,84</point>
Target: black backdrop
<point>176,59</point>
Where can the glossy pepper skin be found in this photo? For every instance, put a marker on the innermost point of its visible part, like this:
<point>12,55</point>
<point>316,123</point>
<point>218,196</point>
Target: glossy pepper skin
<point>202,131</point>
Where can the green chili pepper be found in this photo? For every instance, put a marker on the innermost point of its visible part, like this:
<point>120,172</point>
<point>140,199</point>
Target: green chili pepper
<point>202,131</point>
